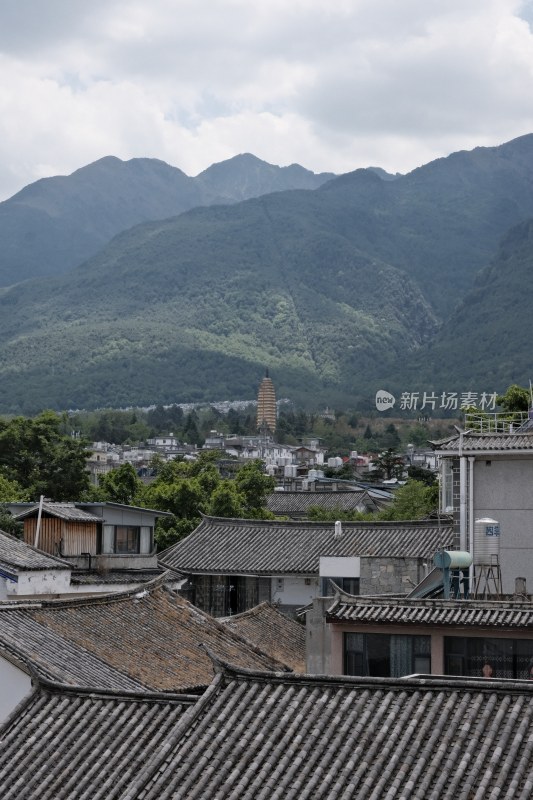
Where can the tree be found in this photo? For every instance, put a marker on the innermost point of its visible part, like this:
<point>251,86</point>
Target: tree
<point>9,524</point>
<point>516,398</point>
<point>120,485</point>
<point>254,485</point>
<point>42,459</point>
<point>388,464</point>
<point>426,476</point>
<point>414,500</point>
<point>226,501</point>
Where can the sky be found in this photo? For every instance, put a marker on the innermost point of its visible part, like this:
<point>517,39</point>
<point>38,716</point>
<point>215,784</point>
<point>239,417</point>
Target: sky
<point>332,85</point>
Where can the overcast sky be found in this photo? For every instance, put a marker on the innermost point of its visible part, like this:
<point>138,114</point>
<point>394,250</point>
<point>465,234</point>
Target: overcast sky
<point>330,84</point>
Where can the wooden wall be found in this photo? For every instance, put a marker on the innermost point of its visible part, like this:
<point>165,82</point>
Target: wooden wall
<point>73,538</point>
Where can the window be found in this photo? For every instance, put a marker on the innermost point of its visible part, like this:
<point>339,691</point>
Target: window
<point>447,485</point>
<point>348,585</point>
<point>386,655</point>
<point>127,539</point>
<point>508,658</point>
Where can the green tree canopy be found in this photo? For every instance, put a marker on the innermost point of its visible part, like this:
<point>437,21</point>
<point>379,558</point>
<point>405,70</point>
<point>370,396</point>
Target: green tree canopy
<point>120,485</point>
<point>516,398</point>
<point>254,485</point>
<point>42,459</point>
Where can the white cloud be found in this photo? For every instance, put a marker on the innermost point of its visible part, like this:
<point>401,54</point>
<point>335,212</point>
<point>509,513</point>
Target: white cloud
<point>331,85</point>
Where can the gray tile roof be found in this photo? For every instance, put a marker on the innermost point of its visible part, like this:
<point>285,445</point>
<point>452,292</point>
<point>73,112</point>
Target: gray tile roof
<point>34,646</point>
<point>468,613</point>
<point>486,443</point>
<point>114,577</point>
<point>237,546</point>
<point>147,637</point>
<point>276,634</point>
<point>297,504</point>
<point>273,737</point>
<point>66,511</point>
<point>72,744</point>
<point>17,556</point>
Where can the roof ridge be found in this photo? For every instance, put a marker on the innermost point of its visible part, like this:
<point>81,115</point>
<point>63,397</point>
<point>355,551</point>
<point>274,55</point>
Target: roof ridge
<point>108,597</point>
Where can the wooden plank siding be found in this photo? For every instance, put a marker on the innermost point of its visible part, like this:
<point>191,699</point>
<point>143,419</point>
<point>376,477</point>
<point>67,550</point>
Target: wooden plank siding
<point>58,536</point>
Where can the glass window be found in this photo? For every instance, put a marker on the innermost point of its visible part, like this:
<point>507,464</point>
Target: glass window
<point>386,655</point>
<point>127,539</point>
<point>476,656</point>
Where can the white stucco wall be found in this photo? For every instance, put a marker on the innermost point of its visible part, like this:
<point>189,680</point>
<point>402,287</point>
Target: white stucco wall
<point>340,566</point>
<point>14,686</point>
<point>292,590</point>
<point>40,582</point>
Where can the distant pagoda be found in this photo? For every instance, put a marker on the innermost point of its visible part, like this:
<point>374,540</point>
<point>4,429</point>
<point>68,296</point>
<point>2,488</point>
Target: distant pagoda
<point>266,405</point>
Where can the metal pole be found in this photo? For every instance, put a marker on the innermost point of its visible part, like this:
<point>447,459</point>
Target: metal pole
<point>38,527</point>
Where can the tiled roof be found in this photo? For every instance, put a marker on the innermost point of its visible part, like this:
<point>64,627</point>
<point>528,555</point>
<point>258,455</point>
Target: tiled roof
<point>273,737</point>
<point>486,443</point>
<point>152,636</point>
<point>276,634</point>
<point>17,556</point>
<point>49,654</point>
<point>237,546</point>
<point>69,745</point>
<point>114,577</point>
<point>298,503</point>
<point>66,511</point>
<point>468,613</point>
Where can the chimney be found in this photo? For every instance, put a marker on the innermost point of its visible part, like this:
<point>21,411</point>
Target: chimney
<point>520,591</point>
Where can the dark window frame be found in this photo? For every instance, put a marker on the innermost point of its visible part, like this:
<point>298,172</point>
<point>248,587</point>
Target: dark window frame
<point>370,654</point>
<point>133,540</point>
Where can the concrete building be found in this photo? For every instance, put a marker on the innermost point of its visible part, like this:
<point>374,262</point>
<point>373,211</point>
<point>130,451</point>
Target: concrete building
<point>391,637</point>
<point>487,473</point>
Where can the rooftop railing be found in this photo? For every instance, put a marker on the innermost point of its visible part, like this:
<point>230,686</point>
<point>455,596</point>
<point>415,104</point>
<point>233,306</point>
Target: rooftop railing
<point>503,422</point>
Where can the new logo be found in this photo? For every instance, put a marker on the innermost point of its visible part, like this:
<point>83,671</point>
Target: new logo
<point>384,400</point>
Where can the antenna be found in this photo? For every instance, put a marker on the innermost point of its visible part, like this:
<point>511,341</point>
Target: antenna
<point>530,395</point>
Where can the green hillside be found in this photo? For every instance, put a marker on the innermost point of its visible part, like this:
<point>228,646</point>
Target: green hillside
<point>336,290</point>
<point>56,223</point>
<point>487,340</point>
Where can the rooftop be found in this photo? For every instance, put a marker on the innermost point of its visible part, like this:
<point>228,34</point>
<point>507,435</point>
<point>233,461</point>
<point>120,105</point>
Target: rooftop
<point>256,736</point>
<point>238,546</point>
<point>17,556</point>
<point>299,503</point>
<point>62,743</point>
<point>473,442</point>
<point>275,633</point>
<point>434,612</point>
<point>147,637</point>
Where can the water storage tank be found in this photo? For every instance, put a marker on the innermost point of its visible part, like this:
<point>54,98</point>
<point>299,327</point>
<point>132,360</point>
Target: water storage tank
<point>486,541</point>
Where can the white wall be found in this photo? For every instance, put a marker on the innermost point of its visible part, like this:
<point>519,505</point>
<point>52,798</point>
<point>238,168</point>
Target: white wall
<point>292,590</point>
<point>40,582</point>
<point>502,490</point>
<point>14,685</point>
<point>340,567</point>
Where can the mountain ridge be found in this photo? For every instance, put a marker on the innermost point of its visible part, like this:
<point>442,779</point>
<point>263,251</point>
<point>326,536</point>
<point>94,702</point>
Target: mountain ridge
<point>337,290</point>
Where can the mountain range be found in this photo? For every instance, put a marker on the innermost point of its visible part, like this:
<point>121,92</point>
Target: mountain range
<point>338,284</point>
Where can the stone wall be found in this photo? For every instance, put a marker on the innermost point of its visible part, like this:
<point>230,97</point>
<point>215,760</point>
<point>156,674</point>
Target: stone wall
<point>390,575</point>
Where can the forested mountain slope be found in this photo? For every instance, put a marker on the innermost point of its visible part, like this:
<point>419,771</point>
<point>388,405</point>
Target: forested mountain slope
<point>336,290</point>
<point>56,223</point>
